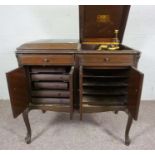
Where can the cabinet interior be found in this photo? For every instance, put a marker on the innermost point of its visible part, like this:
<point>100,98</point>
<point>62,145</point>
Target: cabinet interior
<point>105,86</point>
<point>50,85</point>
<point>96,46</point>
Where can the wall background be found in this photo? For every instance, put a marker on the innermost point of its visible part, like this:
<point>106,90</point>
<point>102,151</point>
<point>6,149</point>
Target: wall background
<point>19,24</point>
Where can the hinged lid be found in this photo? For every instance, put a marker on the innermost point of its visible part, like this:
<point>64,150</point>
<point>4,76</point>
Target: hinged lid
<point>98,22</point>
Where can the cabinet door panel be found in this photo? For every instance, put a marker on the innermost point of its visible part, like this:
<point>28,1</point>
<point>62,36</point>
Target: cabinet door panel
<point>18,90</point>
<point>135,88</point>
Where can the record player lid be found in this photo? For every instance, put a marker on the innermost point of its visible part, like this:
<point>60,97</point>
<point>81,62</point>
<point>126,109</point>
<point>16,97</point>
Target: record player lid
<point>98,22</point>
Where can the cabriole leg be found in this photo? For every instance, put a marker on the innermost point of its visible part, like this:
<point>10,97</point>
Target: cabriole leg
<point>43,111</point>
<point>71,115</point>
<point>28,127</point>
<point>116,112</point>
<point>128,126</point>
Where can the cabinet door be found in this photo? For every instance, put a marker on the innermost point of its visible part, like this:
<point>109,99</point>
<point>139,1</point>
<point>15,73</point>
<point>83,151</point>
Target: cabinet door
<point>18,90</point>
<point>134,90</point>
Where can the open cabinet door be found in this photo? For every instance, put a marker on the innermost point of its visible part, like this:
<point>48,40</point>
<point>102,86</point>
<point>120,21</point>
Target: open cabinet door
<point>18,90</point>
<point>134,90</point>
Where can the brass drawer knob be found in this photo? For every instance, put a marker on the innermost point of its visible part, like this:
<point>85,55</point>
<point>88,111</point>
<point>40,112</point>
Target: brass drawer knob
<point>46,60</point>
<point>106,59</point>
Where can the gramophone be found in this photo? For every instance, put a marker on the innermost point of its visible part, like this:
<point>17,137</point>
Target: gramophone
<point>111,45</point>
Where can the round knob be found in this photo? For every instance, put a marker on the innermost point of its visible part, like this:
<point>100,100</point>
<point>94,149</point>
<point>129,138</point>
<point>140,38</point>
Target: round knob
<point>46,60</point>
<point>106,59</point>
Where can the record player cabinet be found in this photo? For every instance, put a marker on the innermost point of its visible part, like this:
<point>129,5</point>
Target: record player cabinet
<point>63,76</point>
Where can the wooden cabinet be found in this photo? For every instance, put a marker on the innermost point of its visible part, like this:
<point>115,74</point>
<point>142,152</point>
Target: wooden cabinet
<point>63,76</point>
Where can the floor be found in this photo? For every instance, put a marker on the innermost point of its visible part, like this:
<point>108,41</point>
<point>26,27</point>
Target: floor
<point>97,131</point>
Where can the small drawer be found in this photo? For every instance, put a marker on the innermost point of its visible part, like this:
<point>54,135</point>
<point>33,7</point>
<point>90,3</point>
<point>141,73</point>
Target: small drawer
<point>106,60</point>
<point>32,59</point>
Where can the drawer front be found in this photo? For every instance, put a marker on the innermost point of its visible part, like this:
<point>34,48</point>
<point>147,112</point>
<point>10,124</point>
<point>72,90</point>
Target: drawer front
<point>46,59</point>
<point>106,60</point>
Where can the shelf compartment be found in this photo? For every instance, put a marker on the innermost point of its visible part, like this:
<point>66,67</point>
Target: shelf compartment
<point>50,85</point>
<point>50,93</point>
<point>105,80</point>
<point>88,91</point>
<point>86,108</point>
<point>105,72</point>
<point>103,84</point>
<point>106,76</point>
<point>104,100</point>
<point>52,107</point>
<point>51,101</point>
<point>49,77</point>
<point>48,69</point>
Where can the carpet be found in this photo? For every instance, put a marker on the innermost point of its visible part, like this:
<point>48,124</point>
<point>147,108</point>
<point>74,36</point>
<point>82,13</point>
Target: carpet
<point>98,131</point>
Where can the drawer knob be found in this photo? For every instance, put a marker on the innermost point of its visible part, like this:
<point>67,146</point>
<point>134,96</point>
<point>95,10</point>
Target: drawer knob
<point>106,59</point>
<point>46,60</point>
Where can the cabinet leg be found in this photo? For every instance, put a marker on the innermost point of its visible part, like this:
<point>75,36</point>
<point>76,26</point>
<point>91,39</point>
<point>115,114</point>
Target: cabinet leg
<point>71,116</point>
<point>116,112</point>
<point>128,126</point>
<point>43,111</point>
<point>28,127</point>
<point>80,114</point>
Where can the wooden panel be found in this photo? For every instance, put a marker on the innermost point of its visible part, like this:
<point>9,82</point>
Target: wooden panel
<point>50,100</point>
<point>134,90</point>
<point>18,90</point>
<point>50,85</point>
<point>49,77</point>
<point>48,44</point>
<point>50,93</point>
<point>48,69</point>
<point>96,108</point>
<point>100,21</point>
<point>106,60</point>
<point>52,107</point>
<point>32,59</point>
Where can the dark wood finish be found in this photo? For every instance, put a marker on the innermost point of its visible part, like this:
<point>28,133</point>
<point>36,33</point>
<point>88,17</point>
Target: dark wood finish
<point>49,77</point>
<point>41,59</point>
<point>52,107</point>
<point>50,45</point>
<point>71,90</point>
<point>134,90</point>
<point>106,60</point>
<point>18,90</point>
<point>128,126</point>
<point>63,76</point>
<point>50,93</point>
<point>93,30</point>
<point>81,90</point>
<point>27,124</point>
<point>51,85</point>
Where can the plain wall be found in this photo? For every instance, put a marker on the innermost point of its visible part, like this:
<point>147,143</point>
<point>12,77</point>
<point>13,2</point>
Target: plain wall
<point>19,24</point>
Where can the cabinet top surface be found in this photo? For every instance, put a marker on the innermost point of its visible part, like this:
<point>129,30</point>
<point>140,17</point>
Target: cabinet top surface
<point>67,47</point>
<point>50,44</point>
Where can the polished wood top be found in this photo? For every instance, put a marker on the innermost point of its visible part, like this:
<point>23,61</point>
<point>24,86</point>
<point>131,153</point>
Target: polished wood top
<point>49,44</point>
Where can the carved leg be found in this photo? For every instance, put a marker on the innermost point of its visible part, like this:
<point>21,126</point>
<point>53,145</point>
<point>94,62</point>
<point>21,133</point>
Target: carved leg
<point>71,116</point>
<point>116,112</point>
<point>28,127</point>
<point>81,114</point>
<point>71,113</point>
<point>128,126</point>
<point>43,111</point>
